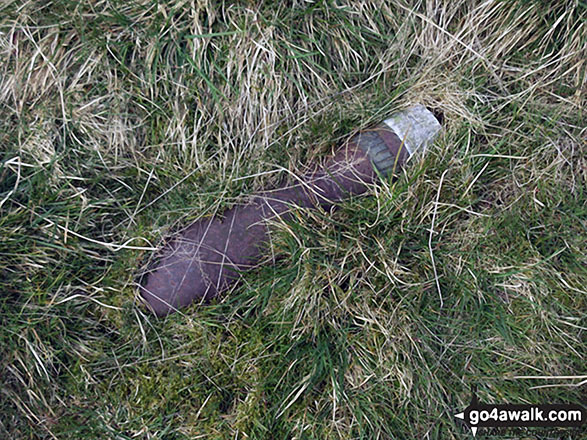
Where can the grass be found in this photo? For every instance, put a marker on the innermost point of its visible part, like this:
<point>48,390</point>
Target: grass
<point>123,121</point>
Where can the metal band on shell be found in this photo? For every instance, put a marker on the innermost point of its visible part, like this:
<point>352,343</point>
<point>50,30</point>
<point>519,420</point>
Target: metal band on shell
<point>391,143</point>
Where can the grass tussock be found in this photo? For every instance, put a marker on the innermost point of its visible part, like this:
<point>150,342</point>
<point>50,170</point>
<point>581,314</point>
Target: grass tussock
<point>121,121</point>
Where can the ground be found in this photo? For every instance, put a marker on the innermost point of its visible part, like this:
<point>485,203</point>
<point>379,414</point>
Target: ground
<point>123,121</point>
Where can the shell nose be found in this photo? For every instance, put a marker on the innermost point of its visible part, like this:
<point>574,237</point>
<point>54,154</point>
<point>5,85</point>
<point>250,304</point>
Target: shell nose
<point>416,126</point>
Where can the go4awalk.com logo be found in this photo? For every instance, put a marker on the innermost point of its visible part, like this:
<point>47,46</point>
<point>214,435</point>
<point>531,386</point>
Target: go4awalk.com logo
<point>478,415</point>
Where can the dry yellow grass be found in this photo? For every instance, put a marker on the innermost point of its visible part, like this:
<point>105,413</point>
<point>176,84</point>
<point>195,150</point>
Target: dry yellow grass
<point>121,121</point>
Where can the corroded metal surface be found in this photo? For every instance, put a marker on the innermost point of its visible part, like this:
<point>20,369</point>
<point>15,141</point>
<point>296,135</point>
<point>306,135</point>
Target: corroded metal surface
<point>207,257</point>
